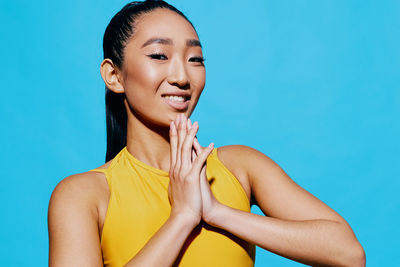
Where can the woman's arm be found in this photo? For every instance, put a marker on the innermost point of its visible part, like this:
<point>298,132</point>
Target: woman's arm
<point>164,246</point>
<point>72,222</point>
<point>299,226</point>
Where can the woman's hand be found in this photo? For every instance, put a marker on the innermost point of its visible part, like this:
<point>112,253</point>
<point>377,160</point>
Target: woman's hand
<point>184,186</point>
<point>209,203</point>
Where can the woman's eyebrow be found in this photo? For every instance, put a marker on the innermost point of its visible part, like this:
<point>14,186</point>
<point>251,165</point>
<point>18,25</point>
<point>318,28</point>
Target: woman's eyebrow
<point>168,41</point>
<point>158,40</point>
<point>193,42</point>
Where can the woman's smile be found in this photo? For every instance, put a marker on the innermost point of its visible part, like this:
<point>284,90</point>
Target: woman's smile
<point>177,100</point>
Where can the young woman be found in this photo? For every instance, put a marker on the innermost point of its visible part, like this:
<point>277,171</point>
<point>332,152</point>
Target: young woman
<point>161,199</point>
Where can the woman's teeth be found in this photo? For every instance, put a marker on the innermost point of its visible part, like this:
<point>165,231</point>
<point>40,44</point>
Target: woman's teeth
<point>175,98</point>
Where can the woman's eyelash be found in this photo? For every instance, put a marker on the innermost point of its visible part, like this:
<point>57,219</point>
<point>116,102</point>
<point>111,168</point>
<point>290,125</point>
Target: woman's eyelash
<point>158,56</point>
<point>197,59</point>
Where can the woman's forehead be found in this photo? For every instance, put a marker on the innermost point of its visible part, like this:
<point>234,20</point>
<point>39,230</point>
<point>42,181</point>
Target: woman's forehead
<point>163,23</point>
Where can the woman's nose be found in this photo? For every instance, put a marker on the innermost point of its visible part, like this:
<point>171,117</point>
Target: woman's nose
<point>177,74</point>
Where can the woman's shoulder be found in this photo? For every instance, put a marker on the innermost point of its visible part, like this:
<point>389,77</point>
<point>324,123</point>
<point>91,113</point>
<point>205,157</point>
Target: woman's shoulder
<point>245,160</point>
<point>231,156</point>
<point>244,157</point>
<point>234,157</point>
<point>89,182</point>
<point>87,189</point>
<point>85,183</point>
<point>250,166</point>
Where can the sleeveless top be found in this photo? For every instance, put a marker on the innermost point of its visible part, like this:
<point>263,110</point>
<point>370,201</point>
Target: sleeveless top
<point>139,206</point>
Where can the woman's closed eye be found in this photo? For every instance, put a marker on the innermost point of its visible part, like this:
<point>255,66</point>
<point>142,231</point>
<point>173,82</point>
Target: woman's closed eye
<point>158,56</point>
<point>197,59</point>
<point>161,56</point>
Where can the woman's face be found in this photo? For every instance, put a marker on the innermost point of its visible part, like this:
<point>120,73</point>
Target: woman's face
<point>163,71</point>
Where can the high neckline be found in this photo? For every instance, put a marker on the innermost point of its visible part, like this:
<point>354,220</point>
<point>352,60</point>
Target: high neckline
<point>142,164</point>
<point>149,167</point>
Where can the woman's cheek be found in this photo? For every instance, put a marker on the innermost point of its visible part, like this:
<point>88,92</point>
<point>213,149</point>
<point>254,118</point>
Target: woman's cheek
<point>198,76</point>
<point>148,75</point>
<point>198,81</point>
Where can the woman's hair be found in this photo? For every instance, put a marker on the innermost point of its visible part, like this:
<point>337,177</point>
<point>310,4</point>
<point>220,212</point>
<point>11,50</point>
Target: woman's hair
<point>117,34</point>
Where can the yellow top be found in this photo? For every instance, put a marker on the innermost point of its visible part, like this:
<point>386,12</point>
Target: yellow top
<point>139,206</point>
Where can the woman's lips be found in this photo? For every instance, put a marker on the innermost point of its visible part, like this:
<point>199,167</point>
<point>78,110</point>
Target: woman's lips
<point>177,104</point>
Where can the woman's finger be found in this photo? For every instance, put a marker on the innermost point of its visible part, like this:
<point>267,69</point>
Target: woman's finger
<point>175,144</point>
<point>194,155</point>
<point>197,146</point>
<point>173,140</point>
<point>201,158</point>
<point>181,128</point>
<point>189,124</point>
<point>188,144</point>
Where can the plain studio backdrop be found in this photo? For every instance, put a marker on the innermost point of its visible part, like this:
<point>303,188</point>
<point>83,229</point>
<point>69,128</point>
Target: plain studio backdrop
<point>312,84</point>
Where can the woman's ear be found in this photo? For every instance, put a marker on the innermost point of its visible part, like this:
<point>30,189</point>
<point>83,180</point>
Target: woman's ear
<point>111,76</point>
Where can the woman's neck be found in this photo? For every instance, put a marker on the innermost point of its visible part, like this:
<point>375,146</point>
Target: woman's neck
<point>148,143</point>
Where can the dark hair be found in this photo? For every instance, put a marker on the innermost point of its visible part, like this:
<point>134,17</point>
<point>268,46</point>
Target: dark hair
<point>117,34</point>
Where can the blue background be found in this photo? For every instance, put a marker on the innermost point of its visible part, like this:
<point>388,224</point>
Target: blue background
<point>312,84</point>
